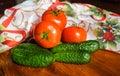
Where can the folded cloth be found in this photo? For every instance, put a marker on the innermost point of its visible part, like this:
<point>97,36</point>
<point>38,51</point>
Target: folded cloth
<point>17,21</point>
<point>100,24</point>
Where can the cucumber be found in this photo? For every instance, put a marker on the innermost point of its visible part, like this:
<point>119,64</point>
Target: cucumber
<point>73,57</point>
<point>89,46</point>
<point>28,54</point>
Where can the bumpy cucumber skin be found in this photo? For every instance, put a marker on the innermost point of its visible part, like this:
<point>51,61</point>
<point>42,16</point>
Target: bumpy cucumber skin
<point>32,55</point>
<point>89,46</point>
<point>73,57</point>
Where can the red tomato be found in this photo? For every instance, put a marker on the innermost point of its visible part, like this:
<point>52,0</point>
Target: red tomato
<point>47,34</point>
<point>56,16</point>
<point>74,34</point>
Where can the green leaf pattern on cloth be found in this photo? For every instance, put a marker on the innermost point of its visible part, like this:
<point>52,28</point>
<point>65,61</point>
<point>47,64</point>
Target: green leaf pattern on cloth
<point>2,27</point>
<point>1,39</point>
<point>109,33</point>
<point>69,11</point>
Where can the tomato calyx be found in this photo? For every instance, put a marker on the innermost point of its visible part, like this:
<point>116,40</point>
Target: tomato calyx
<point>56,12</point>
<point>44,35</point>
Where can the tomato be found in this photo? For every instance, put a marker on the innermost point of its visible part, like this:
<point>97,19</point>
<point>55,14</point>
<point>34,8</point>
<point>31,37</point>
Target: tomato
<point>74,34</point>
<point>31,30</point>
<point>56,16</point>
<point>47,34</point>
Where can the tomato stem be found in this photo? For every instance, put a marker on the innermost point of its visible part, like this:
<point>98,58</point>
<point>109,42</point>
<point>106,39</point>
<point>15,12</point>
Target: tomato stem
<point>44,35</point>
<point>56,12</point>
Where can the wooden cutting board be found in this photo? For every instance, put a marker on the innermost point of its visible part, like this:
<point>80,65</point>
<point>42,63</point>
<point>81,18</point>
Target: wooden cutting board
<point>103,63</point>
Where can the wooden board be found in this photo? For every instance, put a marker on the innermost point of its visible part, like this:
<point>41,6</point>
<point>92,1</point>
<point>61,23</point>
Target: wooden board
<point>103,63</point>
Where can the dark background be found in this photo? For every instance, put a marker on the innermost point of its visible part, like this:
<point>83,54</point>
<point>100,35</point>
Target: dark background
<point>110,5</point>
<point>6,4</point>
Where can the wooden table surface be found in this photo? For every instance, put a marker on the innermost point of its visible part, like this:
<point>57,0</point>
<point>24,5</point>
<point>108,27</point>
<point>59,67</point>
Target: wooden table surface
<point>103,63</point>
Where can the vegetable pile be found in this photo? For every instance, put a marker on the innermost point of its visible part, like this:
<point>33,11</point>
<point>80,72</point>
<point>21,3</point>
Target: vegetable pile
<point>32,55</point>
<point>55,42</point>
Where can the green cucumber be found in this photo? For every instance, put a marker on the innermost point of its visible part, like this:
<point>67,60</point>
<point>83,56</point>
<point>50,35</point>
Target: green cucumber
<point>89,46</point>
<point>28,54</point>
<point>73,57</point>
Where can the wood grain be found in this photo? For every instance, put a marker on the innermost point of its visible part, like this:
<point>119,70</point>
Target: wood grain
<point>103,63</point>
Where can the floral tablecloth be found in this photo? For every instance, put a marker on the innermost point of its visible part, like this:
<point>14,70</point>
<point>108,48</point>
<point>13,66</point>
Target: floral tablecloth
<point>100,24</point>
